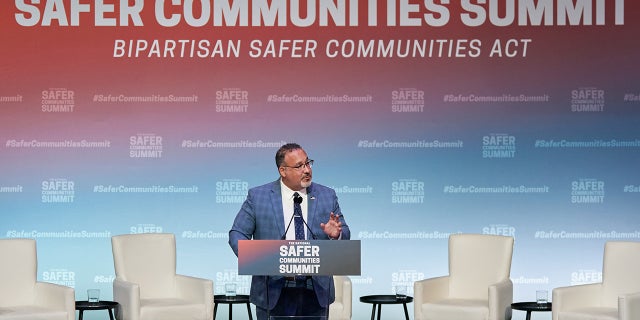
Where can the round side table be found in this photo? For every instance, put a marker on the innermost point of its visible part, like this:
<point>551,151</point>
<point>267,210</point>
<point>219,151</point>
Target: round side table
<point>379,300</point>
<point>530,307</point>
<point>83,306</point>
<point>231,300</point>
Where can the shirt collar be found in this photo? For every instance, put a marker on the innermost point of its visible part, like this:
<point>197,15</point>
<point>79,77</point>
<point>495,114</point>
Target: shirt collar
<point>287,193</point>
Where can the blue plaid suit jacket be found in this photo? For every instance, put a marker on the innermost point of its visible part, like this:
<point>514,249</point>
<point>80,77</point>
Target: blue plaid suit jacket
<point>261,217</point>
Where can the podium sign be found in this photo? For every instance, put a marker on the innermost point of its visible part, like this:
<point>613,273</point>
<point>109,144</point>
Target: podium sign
<point>299,257</point>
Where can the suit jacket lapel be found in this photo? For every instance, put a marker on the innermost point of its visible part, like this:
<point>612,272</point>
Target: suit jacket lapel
<point>276,203</point>
<point>311,209</point>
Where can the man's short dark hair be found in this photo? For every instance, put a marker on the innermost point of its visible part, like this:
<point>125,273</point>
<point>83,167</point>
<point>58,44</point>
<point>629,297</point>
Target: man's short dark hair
<point>284,150</point>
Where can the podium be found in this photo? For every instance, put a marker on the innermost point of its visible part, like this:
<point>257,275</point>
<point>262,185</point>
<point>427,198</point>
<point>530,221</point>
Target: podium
<point>299,257</point>
<point>290,258</point>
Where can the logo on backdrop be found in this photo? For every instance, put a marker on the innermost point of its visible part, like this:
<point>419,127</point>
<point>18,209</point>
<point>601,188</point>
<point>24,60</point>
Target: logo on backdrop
<point>585,277</point>
<point>231,276</point>
<point>499,230</point>
<point>405,278</point>
<point>58,100</point>
<point>353,189</point>
<point>232,100</point>
<point>58,190</point>
<point>498,145</point>
<point>104,278</point>
<point>11,99</point>
<point>407,191</point>
<point>407,100</point>
<point>11,189</point>
<point>231,191</point>
<point>145,228</point>
<point>145,145</point>
<point>628,97</point>
<point>530,280</point>
<point>587,191</point>
<point>203,234</point>
<point>630,188</point>
<point>61,277</point>
<point>587,99</point>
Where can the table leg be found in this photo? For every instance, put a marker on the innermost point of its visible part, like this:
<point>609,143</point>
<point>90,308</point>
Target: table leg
<point>373,312</point>
<point>249,311</point>
<point>80,315</point>
<point>406,313</point>
<point>110,315</point>
<point>379,311</point>
<point>215,309</point>
<point>230,311</point>
<point>528,315</point>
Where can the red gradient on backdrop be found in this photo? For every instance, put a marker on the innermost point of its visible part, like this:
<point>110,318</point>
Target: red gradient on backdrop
<point>81,59</point>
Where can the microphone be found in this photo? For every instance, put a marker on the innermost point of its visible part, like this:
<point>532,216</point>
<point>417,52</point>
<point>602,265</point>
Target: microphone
<point>298,199</point>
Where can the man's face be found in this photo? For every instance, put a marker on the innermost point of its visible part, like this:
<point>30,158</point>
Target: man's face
<point>295,178</point>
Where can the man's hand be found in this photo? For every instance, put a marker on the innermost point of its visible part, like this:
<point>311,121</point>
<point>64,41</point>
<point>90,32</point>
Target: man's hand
<point>333,227</point>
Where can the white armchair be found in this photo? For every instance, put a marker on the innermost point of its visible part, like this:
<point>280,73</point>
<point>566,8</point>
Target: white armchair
<point>147,286</point>
<point>340,309</point>
<point>478,285</point>
<point>21,295</point>
<point>617,297</point>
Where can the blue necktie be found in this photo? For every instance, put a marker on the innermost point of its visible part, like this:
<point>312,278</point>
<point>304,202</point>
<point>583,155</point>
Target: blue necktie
<point>297,213</point>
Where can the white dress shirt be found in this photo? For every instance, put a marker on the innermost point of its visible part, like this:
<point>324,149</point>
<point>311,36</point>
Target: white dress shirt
<point>287,207</point>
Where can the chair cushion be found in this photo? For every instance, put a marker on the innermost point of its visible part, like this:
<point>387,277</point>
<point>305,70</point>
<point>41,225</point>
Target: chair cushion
<point>171,309</point>
<point>620,271</point>
<point>477,261</point>
<point>456,309</point>
<point>31,313</point>
<point>336,310</point>
<point>148,260</point>
<point>17,272</point>
<point>590,314</point>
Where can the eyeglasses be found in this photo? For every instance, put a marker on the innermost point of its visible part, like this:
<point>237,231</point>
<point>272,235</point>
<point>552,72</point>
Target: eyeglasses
<point>301,166</point>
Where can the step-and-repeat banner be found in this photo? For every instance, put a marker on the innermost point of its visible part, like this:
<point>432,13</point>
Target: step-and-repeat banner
<point>515,117</point>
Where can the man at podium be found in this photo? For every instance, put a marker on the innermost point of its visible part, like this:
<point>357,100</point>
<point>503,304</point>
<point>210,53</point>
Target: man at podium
<point>291,208</point>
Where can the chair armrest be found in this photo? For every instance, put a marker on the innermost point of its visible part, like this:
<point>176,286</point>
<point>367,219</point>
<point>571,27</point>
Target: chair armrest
<point>429,290</point>
<point>343,294</point>
<point>56,297</point>
<point>196,289</point>
<point>566,298</point>
<point>347,297</point>
<point>127,294</point>
<point>629,306</point>
<point>500,299</point>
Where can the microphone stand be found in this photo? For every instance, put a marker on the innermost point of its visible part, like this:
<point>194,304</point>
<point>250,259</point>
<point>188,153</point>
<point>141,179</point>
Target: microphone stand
<point>309,229</point>
<point>298,200</point>
<point>284,235</point>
